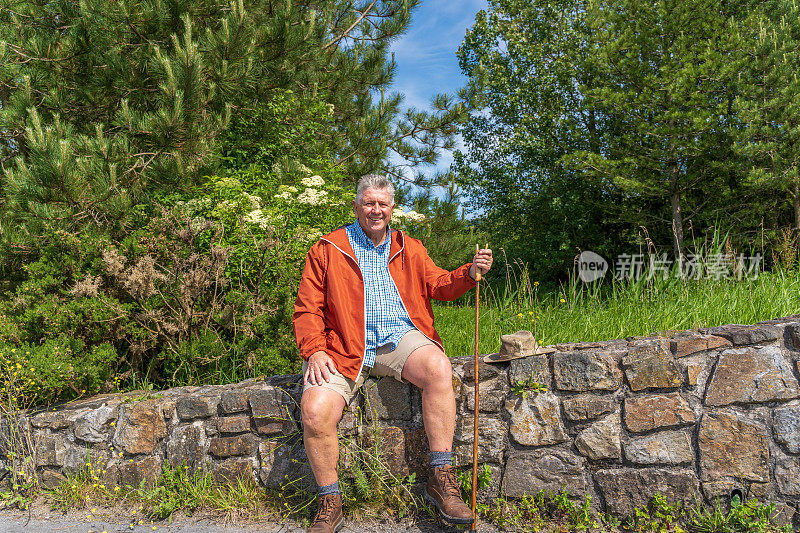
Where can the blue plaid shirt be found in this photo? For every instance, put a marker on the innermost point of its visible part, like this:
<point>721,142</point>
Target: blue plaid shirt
<point>386,317</point>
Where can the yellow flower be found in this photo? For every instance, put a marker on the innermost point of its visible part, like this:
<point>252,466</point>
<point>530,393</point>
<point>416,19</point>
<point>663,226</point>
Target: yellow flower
<point>562,300</point>
<point>519,315</point>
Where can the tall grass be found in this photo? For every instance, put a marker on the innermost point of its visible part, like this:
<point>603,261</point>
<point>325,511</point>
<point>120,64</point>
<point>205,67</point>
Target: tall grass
<point>576,312</point>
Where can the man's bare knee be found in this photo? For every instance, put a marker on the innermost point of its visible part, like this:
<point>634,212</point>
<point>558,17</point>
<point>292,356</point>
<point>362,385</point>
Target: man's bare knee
<point>428,367</point>
<point>321,409</point>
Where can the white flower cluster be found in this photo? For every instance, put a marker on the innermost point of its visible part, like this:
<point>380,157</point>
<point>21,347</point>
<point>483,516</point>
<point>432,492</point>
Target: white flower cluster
<point>286,192</point>
<point>194,205</point>
<point>226,205</point>
<point>313,197</point>
<point>256,217</point>
<point>253,200</point>
<point>412,216</point>
<point>313,181</point>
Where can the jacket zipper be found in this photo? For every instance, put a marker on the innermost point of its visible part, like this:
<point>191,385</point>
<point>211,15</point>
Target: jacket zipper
<point>364,355</point>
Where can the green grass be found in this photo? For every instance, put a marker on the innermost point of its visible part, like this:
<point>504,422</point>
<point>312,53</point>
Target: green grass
<point>580,313</point>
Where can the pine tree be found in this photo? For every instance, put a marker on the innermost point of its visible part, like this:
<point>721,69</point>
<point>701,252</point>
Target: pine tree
<point>768,106</point>
<point>105,103</point>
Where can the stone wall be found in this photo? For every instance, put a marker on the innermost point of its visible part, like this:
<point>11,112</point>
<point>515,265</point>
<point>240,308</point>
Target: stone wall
<point>693,415</point>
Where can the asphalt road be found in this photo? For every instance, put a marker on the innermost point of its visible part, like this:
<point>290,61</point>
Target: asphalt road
<point>15,522</point>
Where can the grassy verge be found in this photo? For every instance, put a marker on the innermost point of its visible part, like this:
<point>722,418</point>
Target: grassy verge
<point>583,313</point>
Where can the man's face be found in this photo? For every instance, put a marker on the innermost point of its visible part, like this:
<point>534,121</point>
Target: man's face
<point>374,212</point>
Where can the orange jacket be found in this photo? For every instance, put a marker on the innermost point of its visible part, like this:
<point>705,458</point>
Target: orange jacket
<point>329,310</point>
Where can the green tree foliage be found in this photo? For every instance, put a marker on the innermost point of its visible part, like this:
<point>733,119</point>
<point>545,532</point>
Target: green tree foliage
<point>527,64</point>
<point>662,86</point>
<point>103,103</point>
<point>599,117</point>
<point>768,108</point>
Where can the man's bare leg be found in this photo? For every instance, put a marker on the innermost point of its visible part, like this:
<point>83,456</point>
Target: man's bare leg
<point>429,369</point>
<point>321,410</point>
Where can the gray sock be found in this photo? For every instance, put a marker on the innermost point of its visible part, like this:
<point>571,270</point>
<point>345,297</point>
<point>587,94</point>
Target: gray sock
<point>439,459</point>
<point>333,488</point>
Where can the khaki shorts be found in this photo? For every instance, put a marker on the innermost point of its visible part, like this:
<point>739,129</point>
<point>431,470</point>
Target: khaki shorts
<point>387,363</point>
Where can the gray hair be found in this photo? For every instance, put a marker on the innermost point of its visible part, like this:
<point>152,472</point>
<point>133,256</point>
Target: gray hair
<point>374,181</point>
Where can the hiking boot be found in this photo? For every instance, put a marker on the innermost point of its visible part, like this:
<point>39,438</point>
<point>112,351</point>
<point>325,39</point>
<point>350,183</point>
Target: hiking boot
<point>329,517</point>
<point>442,491</point>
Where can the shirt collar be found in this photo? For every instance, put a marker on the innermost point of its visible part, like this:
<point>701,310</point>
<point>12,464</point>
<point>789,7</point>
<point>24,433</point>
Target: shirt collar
<point>363,240</point>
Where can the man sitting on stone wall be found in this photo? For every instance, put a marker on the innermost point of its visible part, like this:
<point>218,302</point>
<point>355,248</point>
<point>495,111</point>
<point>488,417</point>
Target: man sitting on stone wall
<point>363,308</point>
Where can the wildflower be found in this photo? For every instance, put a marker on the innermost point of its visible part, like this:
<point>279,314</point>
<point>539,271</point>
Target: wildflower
<point>413,216</point>
<point>519,315</point>
<point>257,217</point>
<point>562,300</point>
<point>313,181</point>
<point>535,283</point>
<point>312,197</point>
<point>285,195</point>
<point>255,201</point>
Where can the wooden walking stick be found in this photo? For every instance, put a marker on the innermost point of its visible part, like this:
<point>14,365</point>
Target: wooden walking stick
<point>475,410</point>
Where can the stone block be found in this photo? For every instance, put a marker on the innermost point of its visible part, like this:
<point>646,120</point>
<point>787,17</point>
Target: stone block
<point>51,479</point>
<point>465,367</point>
<point>720,488</point>
<point>269,403</point>
<point>186,446</point>
<point>389,443</point>
<point>664,448</point>
<point>492,395</point>
<point>234,401</point>
<point>651,366</point>
<point>191,407</point>
<point>786,427</point>
<point>492,440</point>
<point>581,371</point>
<point>78,458</point>
<point>536,420</point>
<point>684,345</point>
<point>740,335</point>
<point>787,475</point>
<point>547,469</point>
<point>587,407</point>
<point>135,471</point>
<point>794,335</point>
<point>535,368</point>
<point>233,424</point>
<point>387,399</point>
<point>626,489</point>
<point>751,375</point>
<point>274,463</point>
<point>491,490</point>
<point>140,427</point>
<point>94,426</point>
<point>732,446</point>
<point>601,440</point>
<point>55,420</point>
<point>234,446</point>
<point>232,470</point>
<point>50,449</point>
<point>645,413</point>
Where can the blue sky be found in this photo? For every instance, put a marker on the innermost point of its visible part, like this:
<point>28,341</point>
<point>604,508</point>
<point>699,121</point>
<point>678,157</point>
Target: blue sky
<point>426,54</point>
